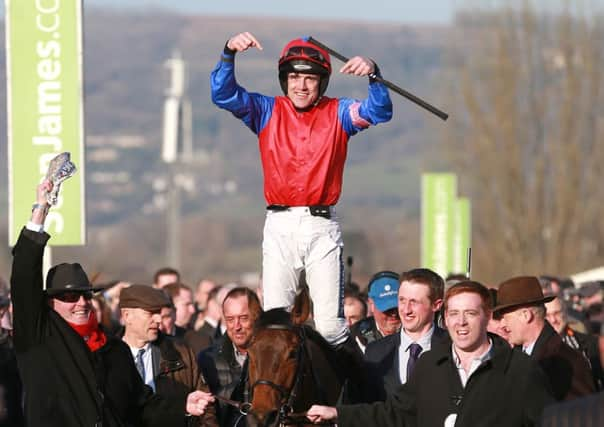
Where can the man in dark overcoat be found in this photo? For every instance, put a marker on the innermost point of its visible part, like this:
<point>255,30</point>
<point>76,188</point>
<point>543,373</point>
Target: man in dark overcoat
<point>556,313</point>
<point>478,381</point>
<point>520,303</point>
<point>73,374</point>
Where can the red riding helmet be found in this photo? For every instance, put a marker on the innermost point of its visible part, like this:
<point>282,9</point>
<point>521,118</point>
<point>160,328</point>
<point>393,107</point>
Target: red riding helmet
<point>301,56</point>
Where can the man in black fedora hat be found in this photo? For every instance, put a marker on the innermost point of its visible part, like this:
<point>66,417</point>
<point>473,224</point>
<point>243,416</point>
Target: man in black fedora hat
<point>520,303</point>
<point>73,374</point>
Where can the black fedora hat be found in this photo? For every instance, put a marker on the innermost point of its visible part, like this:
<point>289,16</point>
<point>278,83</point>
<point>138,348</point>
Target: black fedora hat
<point>67,277</point>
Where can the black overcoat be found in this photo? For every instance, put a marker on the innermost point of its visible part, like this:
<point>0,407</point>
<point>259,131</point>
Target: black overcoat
<point>506,391</point>
<point>382,362</point>
<point>65,384</point>
<point>567,369</point>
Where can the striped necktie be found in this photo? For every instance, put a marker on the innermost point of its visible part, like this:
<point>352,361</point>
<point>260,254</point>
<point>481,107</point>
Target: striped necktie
<point>140,364</point>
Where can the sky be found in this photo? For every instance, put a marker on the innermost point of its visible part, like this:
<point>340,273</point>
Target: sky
<point>399,11</point>
<point>408,11</point>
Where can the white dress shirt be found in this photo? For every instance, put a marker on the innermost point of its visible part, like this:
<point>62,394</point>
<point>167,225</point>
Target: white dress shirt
<point>425,341</point>
<point>476,362</point>
<point>147,362</point>
<point>529,348</point>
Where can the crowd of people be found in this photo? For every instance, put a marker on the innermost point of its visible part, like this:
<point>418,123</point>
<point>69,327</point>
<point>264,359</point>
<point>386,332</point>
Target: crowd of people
<point>503,357</point>
<point>433,352</point>
<point>428,345</point>
<point>426,351</point>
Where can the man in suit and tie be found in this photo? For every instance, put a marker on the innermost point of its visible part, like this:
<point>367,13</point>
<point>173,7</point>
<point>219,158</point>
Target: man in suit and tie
<point>391,359</point>
<point>166,364</point>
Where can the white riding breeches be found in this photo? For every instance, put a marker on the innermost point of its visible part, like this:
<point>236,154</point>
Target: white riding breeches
<point>295,240</point>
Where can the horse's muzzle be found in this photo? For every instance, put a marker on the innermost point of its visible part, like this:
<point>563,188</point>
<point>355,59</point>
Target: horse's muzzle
<point>268,419</point>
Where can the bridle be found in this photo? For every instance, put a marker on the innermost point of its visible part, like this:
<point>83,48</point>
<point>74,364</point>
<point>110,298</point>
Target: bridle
<point>288,397</point>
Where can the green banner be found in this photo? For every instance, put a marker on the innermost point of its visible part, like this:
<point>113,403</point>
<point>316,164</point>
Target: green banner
<point>439,191</point>
<point>462,220</point>
<point>45,111</point>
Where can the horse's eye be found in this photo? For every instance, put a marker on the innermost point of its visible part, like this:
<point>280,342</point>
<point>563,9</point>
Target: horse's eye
<point>292,354</point>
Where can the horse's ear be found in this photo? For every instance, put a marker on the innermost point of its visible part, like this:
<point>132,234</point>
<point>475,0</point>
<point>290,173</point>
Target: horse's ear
<point>301,309</point>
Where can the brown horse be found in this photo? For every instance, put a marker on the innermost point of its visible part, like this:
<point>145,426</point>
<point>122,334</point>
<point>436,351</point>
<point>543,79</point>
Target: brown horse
<point>290,367</point>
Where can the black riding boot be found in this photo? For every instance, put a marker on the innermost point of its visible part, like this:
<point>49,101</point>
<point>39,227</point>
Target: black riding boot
<point>353,371</point>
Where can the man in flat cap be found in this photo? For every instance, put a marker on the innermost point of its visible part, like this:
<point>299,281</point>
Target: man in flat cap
<point>520,302</point>
<point>73,374</point>
<point>165,364</point>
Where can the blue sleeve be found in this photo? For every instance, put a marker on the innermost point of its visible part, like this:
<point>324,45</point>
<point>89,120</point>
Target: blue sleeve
<point>253,109</point>
<point>356,115</point>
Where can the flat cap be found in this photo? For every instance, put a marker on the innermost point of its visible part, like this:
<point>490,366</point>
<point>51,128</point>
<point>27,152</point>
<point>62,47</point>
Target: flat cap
<point>145,297</point>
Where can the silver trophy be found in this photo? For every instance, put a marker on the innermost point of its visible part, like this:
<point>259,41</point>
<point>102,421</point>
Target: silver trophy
<point>59,169</point>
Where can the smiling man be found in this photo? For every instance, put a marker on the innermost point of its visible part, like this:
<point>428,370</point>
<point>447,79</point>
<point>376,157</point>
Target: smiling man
<point>477,381</point>
<point>224,364</point>
<point>73,374</point>
<point>383,317</point>
<point>303,140</point>
<point>391,360</point>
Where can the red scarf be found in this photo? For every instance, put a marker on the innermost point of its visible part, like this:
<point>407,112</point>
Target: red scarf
<point>94,337</point>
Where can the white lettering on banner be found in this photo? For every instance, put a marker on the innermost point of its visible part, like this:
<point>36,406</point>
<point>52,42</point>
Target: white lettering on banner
<point>45,28</point>
<point>49,103</point>
<point>48,140</point>
<point>47,10</point>
<point>50,94</point>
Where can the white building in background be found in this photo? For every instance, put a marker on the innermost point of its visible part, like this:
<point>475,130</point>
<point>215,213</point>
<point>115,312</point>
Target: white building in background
<point>588,276</point>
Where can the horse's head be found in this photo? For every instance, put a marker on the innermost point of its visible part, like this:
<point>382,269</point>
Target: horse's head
<point>277,355</point>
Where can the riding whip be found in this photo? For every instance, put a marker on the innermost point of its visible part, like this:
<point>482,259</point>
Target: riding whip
<point>386,83</point>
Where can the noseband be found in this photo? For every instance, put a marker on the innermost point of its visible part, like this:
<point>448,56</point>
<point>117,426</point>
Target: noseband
<point>285,414</point>
<point>286,396</point>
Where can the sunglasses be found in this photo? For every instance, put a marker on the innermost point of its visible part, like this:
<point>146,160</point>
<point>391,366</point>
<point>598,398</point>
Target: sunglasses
<point>73,296</point>
<point>305,51</point>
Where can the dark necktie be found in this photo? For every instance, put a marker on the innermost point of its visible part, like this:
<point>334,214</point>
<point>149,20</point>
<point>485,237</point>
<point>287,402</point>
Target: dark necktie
<point>140,364</point>
<point>414,351</point>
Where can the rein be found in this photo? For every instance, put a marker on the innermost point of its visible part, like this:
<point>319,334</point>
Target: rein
<point>286,409</point>
<point>286,416</point>
<point>242,407</point>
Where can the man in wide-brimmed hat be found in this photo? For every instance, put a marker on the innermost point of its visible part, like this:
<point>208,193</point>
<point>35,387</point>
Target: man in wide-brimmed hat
<point>520,303</point>
<point>73,374</point>
<point>476,380</point>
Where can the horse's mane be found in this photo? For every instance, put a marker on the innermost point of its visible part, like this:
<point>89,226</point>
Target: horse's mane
<point>276,316</point>
<point>327,372</point>
<point>281,317</point>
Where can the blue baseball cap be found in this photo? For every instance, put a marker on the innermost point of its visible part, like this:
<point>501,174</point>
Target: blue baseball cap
<point>383,290</point>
